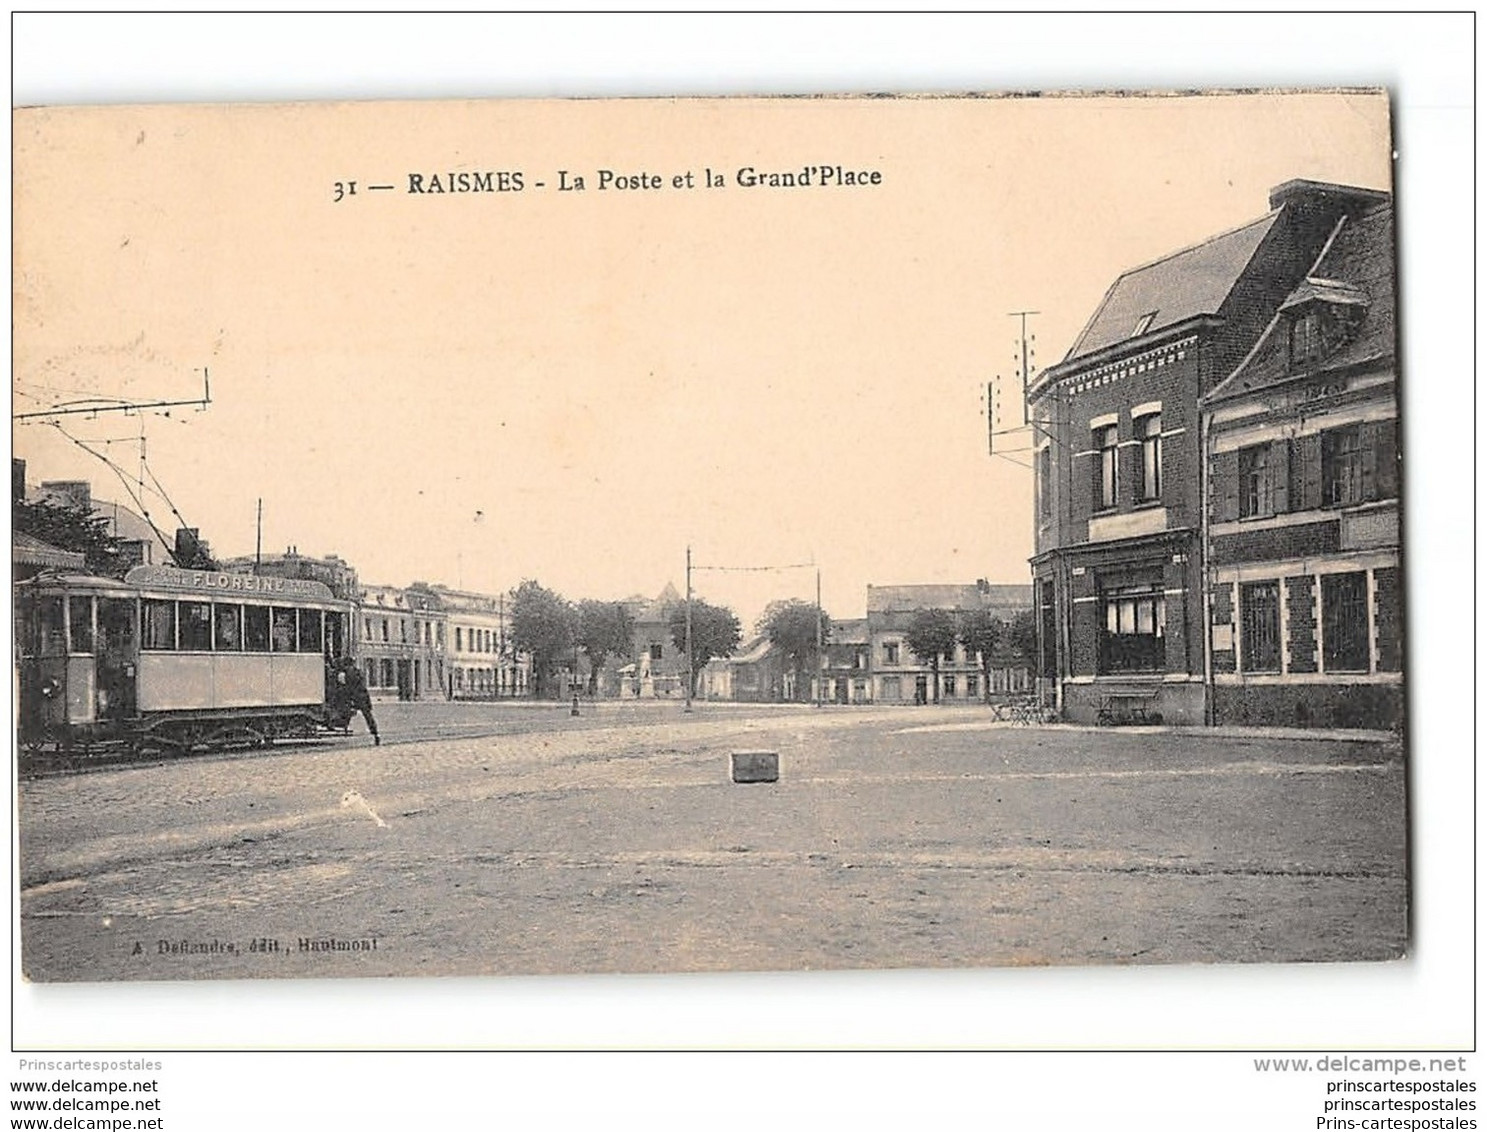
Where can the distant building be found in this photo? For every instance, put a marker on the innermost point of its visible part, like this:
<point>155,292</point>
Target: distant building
<point>338,575</point>
<point>1303,552</point>
<point>758,672</point>
<point>476,639</point>
<point>141,543</point>
<point>847,667</point>
<point>401,643</point>
<point>1118,457</point>
<point>29,556</point>
<point>656,667</point>
<point>896,675</point>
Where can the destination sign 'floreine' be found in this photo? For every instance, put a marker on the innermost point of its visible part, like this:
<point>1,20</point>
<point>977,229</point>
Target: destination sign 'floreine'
<point>196,581</point>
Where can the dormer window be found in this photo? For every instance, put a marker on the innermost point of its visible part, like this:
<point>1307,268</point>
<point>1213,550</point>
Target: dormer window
<point>1323,314</point>
<point>1143,324</point>
<point>1306,340</point>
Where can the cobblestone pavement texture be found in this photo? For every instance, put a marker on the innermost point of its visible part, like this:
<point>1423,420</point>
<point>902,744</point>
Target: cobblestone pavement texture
<point>916,837</point>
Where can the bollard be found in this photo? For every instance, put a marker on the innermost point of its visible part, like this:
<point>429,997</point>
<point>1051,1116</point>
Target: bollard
<point>755,766</point>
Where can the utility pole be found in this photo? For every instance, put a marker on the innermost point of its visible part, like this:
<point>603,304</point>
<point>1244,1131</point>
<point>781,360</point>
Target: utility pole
<point>1022,317</point>
<point>258,543</point>
<point>690,676</point>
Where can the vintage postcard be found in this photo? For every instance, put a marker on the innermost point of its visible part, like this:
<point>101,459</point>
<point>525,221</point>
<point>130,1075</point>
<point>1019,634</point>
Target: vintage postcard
<point>675,535</point>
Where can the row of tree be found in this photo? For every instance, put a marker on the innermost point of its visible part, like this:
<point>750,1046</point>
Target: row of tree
<point>554,630</point>
<point>932,634</point>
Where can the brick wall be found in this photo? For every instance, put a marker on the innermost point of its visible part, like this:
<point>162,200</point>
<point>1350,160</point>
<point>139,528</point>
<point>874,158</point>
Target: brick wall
<point>1301,631</point>
<point>1303,540</point>
<point>1386,612</point>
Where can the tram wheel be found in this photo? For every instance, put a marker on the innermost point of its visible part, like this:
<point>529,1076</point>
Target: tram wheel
<point>235,737</point>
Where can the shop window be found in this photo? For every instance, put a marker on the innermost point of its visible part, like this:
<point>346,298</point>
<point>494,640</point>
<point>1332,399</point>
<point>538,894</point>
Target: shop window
<point>228,624</point>
<point>1259,611</point>
<point>1106,471</point>
<point>1345,622</point>
<point>1149,432</point>
<point>1133,631</point>
<point>158,619</point>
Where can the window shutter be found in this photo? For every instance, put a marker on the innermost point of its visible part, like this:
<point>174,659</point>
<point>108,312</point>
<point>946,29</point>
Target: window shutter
<point>1386,459</point>
<point>1280,478</point>
<point>1308,456</point>
<point>1368,441</point>
<point>1225,487</point>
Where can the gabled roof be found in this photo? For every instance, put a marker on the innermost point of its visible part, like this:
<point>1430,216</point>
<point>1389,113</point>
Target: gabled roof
<point>1173,289</point>
<point>1354,274</point>
<point>752,651</point>
<point>657,610</point>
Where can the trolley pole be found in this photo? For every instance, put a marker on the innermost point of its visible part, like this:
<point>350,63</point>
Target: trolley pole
<point>690,676</point>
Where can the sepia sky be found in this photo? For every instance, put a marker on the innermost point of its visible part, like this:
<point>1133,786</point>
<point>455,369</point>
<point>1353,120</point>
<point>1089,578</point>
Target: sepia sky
<point>573,386</point>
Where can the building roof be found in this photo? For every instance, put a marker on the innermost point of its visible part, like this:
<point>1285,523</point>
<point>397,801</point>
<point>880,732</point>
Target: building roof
<point>657,610</point>
<point>849,632</point>
<point>753,650</point>
<point>1184,285</point>
<point>28,551</point>
<point>1354,275</point>
<point>977,595</point>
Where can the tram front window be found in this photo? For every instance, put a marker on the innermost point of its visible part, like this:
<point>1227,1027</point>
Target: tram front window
<point>47,638</point>
<point>80,623</point>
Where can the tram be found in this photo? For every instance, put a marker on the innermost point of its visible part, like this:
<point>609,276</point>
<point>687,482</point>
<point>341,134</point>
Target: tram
<point>175,660</point>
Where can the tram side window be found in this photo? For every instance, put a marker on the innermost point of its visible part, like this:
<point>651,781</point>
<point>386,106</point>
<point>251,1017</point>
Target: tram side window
<point>255,628</point>
<point>196,626</point>
<point>159,621</point>
<point>80,623</point>
<point>229,622</point>
<point>46,628</point>
<point>309,630</point>
<point>284,630</point>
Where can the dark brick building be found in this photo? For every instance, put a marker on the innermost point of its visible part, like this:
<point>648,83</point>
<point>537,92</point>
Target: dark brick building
<point>1118,567</point>
<point>1303,490</point>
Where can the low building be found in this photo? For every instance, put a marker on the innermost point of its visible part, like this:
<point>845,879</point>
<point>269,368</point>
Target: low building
<point>847,666</point>
<point>896,675</point>
<point>1304,588</point>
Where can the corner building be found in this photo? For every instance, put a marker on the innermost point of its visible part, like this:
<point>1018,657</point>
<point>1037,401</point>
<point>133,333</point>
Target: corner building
<point>1303,547</point>
<point>1118,565</point>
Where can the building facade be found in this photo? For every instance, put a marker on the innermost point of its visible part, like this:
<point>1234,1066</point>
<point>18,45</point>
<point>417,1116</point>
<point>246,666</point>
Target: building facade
<point>896,675</point>
<point>401,645</point>
<point>480,663</point>
<point>1303,547</point>
<point>1118,581</point>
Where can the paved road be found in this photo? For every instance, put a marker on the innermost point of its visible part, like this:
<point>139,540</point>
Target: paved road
<point>615,842</point>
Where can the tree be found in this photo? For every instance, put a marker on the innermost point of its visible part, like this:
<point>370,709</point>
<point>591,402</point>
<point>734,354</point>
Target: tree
<point>542,625</point>
<point>930,636</point>
<point>1022,638</point>
<point>605,629</point>
<point>715,632</point>
<point>791,628</point>
<point>982,634</point>
<point>72,528</point>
